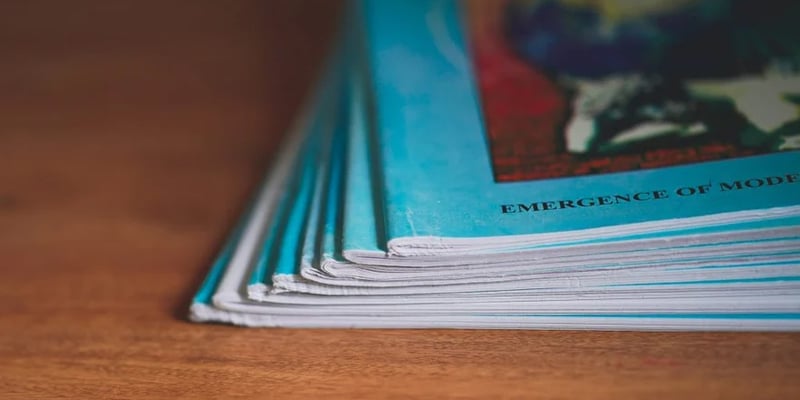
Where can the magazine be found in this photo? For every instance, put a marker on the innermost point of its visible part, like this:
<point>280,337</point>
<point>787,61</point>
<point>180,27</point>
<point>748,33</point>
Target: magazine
<point>322,243</point>
<point>468,165</point>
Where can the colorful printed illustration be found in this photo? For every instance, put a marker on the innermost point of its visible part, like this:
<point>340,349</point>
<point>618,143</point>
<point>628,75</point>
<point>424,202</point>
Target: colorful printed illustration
<point>576,87</point>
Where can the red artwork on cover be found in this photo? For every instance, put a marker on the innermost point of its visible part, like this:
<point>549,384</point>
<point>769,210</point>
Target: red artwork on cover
<point>536,116</point>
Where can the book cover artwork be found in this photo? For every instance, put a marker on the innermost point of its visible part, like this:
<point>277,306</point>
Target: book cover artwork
<point>578,87</point>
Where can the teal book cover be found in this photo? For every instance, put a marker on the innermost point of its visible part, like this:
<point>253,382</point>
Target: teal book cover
<point>501,118</point>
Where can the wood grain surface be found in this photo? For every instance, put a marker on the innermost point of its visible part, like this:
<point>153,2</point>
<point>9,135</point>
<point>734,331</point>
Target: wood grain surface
<point>131,133</point>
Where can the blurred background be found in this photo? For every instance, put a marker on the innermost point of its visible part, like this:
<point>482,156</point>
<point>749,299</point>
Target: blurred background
<point>131,134</point>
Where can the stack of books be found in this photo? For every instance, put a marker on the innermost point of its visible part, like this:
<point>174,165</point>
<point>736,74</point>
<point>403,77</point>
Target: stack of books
<point>534,164</point>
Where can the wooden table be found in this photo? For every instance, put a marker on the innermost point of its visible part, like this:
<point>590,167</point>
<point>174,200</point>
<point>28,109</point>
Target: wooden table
<point>131,133</point>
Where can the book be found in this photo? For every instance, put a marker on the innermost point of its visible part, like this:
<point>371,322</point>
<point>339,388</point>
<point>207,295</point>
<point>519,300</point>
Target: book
<point>418,190</point>
<point>437,157</point>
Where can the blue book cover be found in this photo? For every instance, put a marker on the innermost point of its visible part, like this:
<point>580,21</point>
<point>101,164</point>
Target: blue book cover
<point>461,139</point>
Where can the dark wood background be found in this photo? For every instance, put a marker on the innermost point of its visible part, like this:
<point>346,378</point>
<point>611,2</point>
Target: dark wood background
<point>131,133</point>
